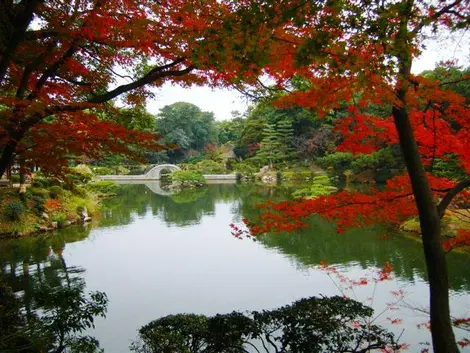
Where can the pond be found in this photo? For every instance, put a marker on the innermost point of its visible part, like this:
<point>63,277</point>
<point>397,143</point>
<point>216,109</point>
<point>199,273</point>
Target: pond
<point>155,254</point>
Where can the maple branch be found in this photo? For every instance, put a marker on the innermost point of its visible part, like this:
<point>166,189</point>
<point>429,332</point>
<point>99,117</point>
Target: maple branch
<point>51,71</point>
<point>466,78</point>
<point>75,82</point>
<point>153,75</point>
<point>40,34</point>
<point>445,202</point>
<point>445,9</point>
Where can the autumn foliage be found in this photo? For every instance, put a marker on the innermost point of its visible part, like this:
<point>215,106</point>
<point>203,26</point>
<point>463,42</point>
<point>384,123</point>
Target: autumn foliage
<point>62,64</point>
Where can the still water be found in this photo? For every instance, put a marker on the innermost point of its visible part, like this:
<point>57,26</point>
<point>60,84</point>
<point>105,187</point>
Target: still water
<point>155,254</point>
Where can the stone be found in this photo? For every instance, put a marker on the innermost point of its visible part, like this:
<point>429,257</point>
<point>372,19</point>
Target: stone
<point>45,216</point>
<point>54,225</point>
<point>265,169</point>
<point>268,179</point>
<point>83,212</point>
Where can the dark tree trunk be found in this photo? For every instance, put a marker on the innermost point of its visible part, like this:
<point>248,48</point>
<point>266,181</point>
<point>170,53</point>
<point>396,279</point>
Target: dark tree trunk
<point>7,156</point>
<point>443,338</point>
<point>22,174</point>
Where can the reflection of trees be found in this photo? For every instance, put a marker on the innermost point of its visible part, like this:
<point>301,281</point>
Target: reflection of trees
<point>49,304</point>
<point>183,208</point>
<point>320,242</point>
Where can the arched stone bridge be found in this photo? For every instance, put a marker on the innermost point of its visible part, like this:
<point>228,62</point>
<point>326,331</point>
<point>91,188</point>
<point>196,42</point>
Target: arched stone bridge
<point>155,172</point>
<point>152,174</point>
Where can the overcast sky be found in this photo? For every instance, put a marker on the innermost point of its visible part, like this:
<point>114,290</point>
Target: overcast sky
<point>223,101</point>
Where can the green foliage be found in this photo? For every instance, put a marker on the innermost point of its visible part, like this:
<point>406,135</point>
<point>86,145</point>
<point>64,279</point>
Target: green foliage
<point>36,191</point>
<point>186,126</point>
<point>15,178</point>
<point>323,325</point>
<point>102,170</point>
<point>134,119</point>
<point>269,151</point>
<point>104,187</point>
<point>453,77</point>
<point>337,161</point>
<point>297,175</point>
<point>321,185</point>
<point>188,195</point>
<point>245,169</point>
<point>56,192</point>
<point>10,320</point>
<point>14,210</point>
<point>230,130</point>
<point>210,167</point>
<point>384,158</point>
<point>448,169</point>
<point>80,174</point>
<point>187,177</point>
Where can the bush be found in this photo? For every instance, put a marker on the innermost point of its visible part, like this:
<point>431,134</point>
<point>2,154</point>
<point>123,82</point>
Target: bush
<point>210,167</point>
<point>38,192</point>
<point>313,325</point>
<point>55,192</point>
<point>14,210</point>
<point>297,175</point>
<point>104,187</point>
<point>245,169</point>
<point>15,178</point>
<point>102,171</point>
<point>321,185</point>
<point>187,177</point>
<point>80,174</point>
<point>337,161</point>
<point>38,204</point>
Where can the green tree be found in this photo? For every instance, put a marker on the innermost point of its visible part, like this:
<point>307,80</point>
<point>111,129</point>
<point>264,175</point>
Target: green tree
<point>312,325</point>
<point>230,130</point>
<point>285,136</point>
<point>186,126</point>
<point>270,150</point>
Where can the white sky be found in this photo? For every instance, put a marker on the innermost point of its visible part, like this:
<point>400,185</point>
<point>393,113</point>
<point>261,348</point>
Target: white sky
<point>223,101</point>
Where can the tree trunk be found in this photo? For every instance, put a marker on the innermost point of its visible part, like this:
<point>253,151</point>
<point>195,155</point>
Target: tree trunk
<point>7,156</point>
<point>22,175</point>
<point>443,338</point>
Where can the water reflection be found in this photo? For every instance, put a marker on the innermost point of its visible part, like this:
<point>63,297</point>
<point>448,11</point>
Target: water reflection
<point>156,255</point>
<point>44,301</point>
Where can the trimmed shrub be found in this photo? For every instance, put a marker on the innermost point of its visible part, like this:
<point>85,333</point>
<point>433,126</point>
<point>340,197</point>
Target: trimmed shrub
<point>337,161</point>
<point>210,167</point>
<point>187,177</point>
<point>14,210</point>
<point>55,192</point>
<point>102,171</point>
<point>245,169</point>
<point>103,187</point>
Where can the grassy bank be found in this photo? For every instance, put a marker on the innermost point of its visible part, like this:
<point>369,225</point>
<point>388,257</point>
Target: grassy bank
<point>47,205</point>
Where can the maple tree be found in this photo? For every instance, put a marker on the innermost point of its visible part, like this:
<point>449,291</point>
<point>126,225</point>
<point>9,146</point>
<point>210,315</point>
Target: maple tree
<point>58,63</point>
<point>61,62</point>
<point>340,48</point>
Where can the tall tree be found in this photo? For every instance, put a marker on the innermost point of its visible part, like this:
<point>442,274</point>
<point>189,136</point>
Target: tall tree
<point>343,47</point>
<point>186,126</point>
<point>270,147</point>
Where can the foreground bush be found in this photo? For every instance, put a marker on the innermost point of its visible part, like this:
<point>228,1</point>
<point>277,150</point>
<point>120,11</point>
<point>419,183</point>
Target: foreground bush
<point>14,210</point>
<point>323,325</point>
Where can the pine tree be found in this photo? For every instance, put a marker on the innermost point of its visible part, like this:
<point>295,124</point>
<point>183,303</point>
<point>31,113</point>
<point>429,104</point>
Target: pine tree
<point>270,150</point>
<point>286,134</point>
